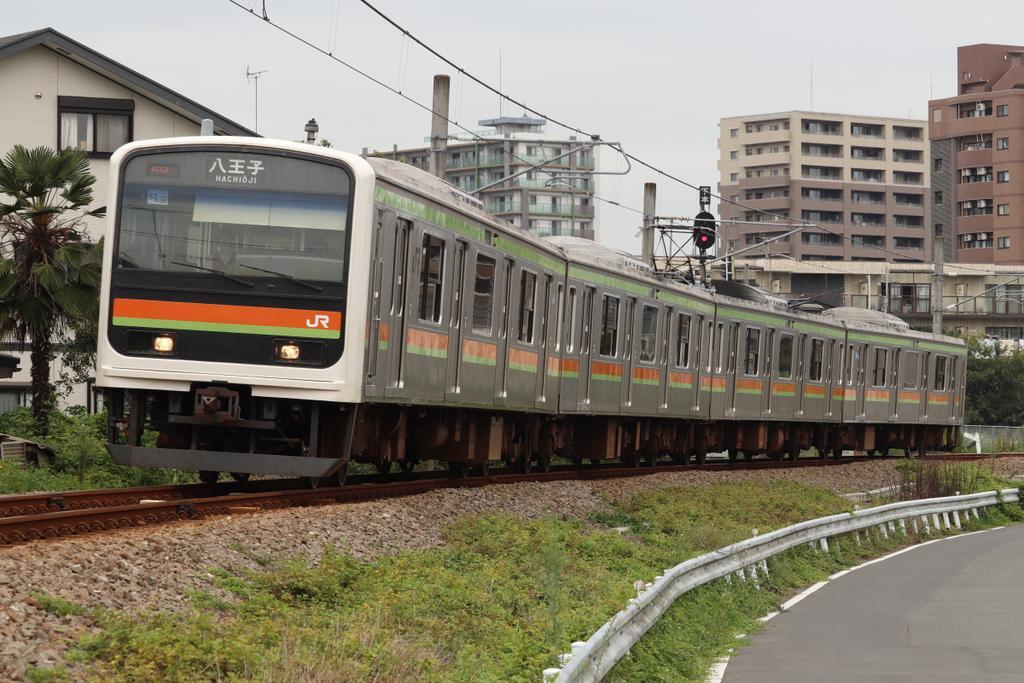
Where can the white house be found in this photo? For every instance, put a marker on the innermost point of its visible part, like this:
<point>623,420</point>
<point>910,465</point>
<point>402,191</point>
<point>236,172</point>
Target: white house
<point>56,92</point>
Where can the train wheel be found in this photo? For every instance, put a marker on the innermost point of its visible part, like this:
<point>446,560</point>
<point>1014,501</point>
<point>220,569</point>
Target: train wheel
<point>208,477</point>
<point>384,467</point>
<point>630,458</point>
<point>406,465</point>
<point>734,453</point>
<point>748,455</point>
<point>791,449</point>
<point>458,470</point>
<point>544,462</point>
<point>240,476</point>
<point>485,469</point>
<point>524,465</point>
<point>680,458</point>
<point>700,447</point>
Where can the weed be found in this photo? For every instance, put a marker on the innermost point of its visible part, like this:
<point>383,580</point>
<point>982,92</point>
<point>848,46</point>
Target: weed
<point>58,606</point>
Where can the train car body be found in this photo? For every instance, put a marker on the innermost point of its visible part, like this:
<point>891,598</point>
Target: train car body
<point>271,307</point>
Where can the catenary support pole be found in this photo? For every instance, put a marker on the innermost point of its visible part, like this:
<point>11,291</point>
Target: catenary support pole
<point>439,125</point>
<point>938,256</point>
<point>650,197</point>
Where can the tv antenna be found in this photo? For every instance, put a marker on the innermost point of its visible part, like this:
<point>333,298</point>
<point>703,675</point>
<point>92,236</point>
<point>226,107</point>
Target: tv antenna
<point>254,78</point>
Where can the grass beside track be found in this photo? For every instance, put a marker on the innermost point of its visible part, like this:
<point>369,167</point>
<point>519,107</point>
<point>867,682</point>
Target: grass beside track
<point>498,602</point>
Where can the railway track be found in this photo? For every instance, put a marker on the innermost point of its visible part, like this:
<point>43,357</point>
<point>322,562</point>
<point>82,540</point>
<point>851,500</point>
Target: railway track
<point>41,516</point>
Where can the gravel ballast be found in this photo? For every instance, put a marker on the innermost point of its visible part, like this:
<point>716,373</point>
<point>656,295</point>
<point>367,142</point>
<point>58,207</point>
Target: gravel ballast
<point>157,567</point>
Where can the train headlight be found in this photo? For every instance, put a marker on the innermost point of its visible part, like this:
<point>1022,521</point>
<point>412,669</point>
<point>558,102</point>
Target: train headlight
<point>163,343</point>
<point>288,351</point>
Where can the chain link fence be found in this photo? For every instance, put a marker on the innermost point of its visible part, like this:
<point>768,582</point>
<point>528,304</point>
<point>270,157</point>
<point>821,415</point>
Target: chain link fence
<point>994,438</point>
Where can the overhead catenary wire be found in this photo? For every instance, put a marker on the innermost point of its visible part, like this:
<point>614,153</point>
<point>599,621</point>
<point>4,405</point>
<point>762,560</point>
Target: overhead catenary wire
<point>413,101</point>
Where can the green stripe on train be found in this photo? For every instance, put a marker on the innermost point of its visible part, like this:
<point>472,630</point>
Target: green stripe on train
<point>192,326</point>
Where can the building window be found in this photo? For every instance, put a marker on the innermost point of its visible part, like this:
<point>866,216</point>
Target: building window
<point>94,124</point>
<point>734,154</point>
<point>1003,242</point>
<point>937,164</point>
<point>734,132</point>
<point>938,229</point>
<point>1003,210</point>
<point>1003,143</point>
<point>1003,110</point>
<point>1003,177</point>
<point>938,196</point>
<point>733,177</point>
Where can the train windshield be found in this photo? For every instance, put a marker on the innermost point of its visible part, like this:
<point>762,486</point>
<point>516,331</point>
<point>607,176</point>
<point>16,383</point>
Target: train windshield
<point>235,213</point>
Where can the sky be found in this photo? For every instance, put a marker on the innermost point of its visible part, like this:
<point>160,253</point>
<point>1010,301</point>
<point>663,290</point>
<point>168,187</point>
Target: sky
<point>654,76</point>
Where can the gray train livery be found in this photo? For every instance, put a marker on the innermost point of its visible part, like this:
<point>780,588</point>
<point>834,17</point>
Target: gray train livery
<point>277,308</point>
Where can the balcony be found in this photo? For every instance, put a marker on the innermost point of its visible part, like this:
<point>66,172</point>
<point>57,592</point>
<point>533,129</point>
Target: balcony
<point>905,178</point>
<point>867,130</point>
<point>820,127</point>
<point>988,304</point>
<point>907,133</point>
<point>863,175</point>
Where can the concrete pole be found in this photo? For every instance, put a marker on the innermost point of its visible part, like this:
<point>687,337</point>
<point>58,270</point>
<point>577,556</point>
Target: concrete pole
<point>439,125</point>
<point>650,197</point>
<point>939,256</point>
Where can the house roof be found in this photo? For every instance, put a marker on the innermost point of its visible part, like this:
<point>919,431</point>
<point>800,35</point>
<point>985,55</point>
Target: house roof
<point>119,73</point>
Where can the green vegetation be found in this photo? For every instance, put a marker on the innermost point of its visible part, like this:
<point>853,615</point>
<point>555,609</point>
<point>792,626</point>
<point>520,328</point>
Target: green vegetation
<point>81,461</point>
<point>49,271</point>
<point>497,602</point>
<point>995,385</point>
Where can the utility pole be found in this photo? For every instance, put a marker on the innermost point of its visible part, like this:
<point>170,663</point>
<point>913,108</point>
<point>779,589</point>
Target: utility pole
<point>439,125</point>
<point>650,196</point>
<point>939,257</point>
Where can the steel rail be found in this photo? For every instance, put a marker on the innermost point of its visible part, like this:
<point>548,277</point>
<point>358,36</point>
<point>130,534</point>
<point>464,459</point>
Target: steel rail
<point>30,517</point>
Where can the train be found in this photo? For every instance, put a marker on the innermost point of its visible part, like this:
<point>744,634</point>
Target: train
<point>276,308</point>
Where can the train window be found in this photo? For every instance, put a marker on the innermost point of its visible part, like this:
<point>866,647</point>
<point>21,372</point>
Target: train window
<point>817,357</point>
<point>649,334</point>
<point>570,318</point>
<point>527,306</point>
<point>483,294</point>
<point>940,373</point>
<point>401,264</point>
<point>721,346</point>
<point>431,278</point>
<point>753,349</point>
<point>953,374</point>
<point>852,356</point>
<point>585,323</point>
<point>786,356</point>
<point>609,326</point>
<point>734,339</point>
<point>683,341</point>
<point>881,357</point>
<point>560,312</point>
<point>910,370</point>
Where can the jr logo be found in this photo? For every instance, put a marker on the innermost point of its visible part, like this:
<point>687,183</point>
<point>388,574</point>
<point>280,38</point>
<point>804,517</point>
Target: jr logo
<point>319,320</point>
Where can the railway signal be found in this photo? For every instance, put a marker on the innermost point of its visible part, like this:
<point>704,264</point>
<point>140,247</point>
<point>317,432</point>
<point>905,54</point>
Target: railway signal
<point>704,231</point>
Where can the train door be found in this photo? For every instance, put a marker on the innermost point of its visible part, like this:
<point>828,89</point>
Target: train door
<point>926,359</point>
<point>455,322</point>
<point>569,363</point>
<point>586,345</point>
<point>894,384</point>
<point>380,290</point>
<point>627,356</point>
<point>391,333</point>
<point>543,334</point>
<point>481,308</point>
<point>501,364</point>
<point>768,371</point>
<point>705,367</point>
<point>671,339</point>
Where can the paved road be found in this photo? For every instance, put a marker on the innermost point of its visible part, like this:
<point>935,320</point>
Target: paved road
<point>949,611</point>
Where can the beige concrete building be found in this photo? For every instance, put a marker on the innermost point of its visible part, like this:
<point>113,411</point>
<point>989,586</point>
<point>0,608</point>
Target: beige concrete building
<point>977,147</point>
<point>56,92</point>
<point>864,177</point>
<point>977,300</point>
<point>553,200</point>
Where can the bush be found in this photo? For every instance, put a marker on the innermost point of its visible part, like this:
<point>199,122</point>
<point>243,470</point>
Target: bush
<point>77,439</point>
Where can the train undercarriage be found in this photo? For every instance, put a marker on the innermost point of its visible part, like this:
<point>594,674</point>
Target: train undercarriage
<point>221,428</point>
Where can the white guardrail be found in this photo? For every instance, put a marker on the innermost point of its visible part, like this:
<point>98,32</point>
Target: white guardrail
<point>592,660</point>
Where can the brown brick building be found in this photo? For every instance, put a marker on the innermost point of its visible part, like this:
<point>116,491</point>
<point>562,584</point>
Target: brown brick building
<point>977,149</point>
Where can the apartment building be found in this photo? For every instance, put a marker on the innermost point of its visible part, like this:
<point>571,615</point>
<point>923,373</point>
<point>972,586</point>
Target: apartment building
<point>554,200</point>
<point>977,148</point>
<point>863,179</point>
<point>977,300</point>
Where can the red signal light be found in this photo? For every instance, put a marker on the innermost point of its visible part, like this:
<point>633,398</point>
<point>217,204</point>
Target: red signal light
<point>704,231</point>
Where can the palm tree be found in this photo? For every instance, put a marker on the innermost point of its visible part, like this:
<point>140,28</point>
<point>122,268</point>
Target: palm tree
<point>49,271</point>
